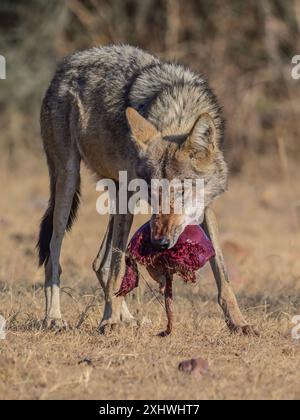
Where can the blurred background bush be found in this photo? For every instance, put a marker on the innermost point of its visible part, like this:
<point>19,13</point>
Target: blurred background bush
<point>245,49</point>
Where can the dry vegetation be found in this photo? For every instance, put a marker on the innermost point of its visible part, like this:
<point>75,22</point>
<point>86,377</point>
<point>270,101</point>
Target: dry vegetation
<point>245,48</point>
<point>262,246</point>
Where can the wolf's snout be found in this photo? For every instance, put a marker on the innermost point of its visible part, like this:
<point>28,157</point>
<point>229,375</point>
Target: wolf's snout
<point>161,244</point>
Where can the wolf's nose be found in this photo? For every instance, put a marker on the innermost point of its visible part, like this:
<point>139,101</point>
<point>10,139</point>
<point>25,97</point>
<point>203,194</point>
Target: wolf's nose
<point>161,244</point>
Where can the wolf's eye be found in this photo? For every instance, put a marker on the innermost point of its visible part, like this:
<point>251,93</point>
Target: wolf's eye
<point>192,156</point>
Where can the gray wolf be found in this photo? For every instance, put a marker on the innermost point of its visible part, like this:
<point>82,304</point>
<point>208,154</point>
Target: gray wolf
<point>118,108</point>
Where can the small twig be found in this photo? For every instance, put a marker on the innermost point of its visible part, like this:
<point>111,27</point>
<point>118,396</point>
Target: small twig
<point>152,291</point>
<point>173,25</point>
<point>83,315</point>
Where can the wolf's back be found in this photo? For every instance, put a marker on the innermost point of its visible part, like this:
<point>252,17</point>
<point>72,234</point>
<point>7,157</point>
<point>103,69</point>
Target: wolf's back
<point>109,79</point>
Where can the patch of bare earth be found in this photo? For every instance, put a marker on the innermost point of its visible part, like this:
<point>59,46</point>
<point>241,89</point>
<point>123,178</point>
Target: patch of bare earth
<point>260,232</point>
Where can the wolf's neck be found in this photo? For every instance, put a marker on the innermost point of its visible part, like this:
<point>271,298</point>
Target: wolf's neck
<point>171,97</point>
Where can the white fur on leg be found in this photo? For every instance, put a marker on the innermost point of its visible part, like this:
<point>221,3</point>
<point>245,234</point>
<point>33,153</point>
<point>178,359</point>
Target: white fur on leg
<point>126,316</point>
<point>55,312</point>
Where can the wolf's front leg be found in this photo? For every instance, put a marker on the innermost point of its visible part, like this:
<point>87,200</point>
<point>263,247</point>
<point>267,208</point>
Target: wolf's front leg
<point>109,267</point>
<point>227,299</point>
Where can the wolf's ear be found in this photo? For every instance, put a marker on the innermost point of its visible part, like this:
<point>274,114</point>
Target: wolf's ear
<point>203,137</point>
<point>142,130</point>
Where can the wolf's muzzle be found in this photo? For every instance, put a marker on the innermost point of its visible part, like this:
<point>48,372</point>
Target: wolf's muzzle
<point>161,244</point>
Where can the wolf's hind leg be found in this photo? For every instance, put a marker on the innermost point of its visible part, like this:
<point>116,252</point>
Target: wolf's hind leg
<point>67,181</point>
<point>227,299</point>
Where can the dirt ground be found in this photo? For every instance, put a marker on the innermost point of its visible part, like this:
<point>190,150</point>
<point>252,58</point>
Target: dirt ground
<point>259,218</point>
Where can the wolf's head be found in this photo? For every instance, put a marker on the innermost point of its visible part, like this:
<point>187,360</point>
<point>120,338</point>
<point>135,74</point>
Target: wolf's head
<point>194,156</point>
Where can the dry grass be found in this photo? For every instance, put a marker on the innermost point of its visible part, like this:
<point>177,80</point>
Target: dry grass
<point>262,247</point>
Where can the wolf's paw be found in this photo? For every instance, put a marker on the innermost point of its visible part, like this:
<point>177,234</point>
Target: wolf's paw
<point>164,334</point>
<point>109,326</point>
<point>246,330</point>
<point>57,325</point>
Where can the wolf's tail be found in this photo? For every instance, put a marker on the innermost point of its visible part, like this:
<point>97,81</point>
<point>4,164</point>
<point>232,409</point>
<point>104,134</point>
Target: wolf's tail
<point>46,227</point>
